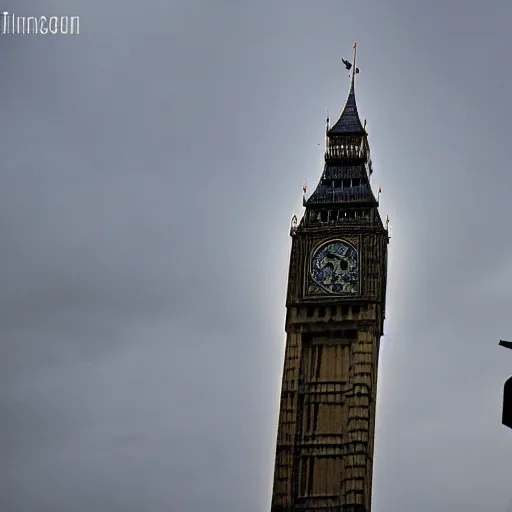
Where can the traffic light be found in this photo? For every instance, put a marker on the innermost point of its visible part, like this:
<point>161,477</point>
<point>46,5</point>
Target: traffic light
<point>507,394</point>
<point>507,404</point>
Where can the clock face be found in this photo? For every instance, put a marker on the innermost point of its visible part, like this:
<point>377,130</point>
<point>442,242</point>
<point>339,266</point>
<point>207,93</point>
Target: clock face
<point>335,267</point>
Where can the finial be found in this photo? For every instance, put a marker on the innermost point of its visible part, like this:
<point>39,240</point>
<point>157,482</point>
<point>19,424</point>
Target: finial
<point>354,69</point>
<point>387,222</point>
<point>327,132</point>
<point>304,188</point>
<point>293,227</point>
<point>378,194</point>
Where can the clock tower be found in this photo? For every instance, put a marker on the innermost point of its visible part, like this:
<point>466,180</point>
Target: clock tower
<point>334,322</point>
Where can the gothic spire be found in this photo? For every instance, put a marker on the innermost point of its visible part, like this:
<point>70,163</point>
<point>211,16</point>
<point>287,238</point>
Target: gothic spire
<point>345,178</point>
<point>349,122</point>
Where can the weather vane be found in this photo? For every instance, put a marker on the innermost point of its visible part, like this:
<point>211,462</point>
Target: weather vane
<point>350,65</point>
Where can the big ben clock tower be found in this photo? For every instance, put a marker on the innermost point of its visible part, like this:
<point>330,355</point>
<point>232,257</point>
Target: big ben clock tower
<point>334,322</point>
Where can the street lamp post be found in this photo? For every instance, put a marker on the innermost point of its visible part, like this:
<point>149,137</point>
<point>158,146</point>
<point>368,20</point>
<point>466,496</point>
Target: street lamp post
<point>507,394</point>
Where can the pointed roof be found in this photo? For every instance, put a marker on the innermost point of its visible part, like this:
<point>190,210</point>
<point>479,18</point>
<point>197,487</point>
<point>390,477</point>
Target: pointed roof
<point>349,122</point>
<point>330,189</point>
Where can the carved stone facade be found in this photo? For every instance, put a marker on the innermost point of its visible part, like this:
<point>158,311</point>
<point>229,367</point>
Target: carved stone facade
<point>324,454</point>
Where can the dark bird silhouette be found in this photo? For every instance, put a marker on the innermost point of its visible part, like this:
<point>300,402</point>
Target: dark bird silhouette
<point>348,65</point>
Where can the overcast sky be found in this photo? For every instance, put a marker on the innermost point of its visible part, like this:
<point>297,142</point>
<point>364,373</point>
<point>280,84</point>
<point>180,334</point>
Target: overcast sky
<point>149,170</point>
